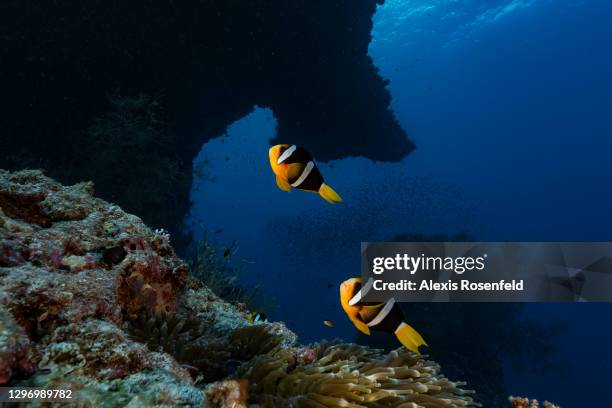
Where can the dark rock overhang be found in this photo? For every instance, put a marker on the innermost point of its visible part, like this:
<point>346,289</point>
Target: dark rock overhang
<point>207,62</point>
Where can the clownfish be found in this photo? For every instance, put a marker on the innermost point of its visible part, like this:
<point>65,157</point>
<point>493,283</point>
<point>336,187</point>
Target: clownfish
<point>256,317</point>
<point>386,317</point>
<point>294,167</point>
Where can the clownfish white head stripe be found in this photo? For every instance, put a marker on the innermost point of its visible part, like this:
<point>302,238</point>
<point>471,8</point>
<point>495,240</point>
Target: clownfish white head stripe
<point>286,154</point>
<point>364,289</point>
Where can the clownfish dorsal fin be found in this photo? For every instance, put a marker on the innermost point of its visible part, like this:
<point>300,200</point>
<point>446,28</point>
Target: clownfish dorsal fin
<point>368,313</point>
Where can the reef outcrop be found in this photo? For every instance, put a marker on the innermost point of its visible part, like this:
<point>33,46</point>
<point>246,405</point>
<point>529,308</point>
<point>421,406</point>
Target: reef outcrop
<point>519,402</point>
<point>203,65</point>
<point>93,300</point>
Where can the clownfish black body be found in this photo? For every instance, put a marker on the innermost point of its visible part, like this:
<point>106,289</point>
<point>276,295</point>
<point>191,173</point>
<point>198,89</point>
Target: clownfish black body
<point>386,317</point>
<point>294,168</point>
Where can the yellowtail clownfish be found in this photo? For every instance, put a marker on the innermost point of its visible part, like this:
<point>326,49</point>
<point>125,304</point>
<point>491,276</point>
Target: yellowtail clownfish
<point>386,317</point>
<point>294,167</point>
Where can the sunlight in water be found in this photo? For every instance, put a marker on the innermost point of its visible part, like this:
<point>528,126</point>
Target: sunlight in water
<point>411,21</point>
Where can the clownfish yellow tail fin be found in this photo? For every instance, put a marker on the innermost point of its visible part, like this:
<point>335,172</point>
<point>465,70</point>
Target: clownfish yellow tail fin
<point>410,338</point>
<point>329,194</point>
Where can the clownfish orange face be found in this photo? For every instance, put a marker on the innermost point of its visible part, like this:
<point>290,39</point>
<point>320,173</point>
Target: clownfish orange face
<point>348,289</point>
<point>274,153</point>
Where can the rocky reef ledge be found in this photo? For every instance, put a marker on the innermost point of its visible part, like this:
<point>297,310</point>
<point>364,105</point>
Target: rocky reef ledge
<point>93,300</point>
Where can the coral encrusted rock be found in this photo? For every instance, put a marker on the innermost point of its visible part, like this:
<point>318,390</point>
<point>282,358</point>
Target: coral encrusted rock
<point>76,272</point>
<point>14,348</point>
<point>93,300</point>
<point>54,244</point>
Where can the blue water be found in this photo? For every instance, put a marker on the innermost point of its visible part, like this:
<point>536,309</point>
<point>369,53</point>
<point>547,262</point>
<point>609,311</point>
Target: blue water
<point>510,105</point>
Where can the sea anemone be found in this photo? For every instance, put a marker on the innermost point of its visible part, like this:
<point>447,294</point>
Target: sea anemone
<point>250,341</point>
<point>352,376</point>
<point>191,343</point>
<point>180,336</point>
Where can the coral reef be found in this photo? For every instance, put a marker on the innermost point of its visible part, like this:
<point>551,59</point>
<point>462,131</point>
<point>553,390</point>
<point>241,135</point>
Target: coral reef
<point>100,350</point>
<point>228,393</point>
<point>519,402</point>
<point>55,247</point>
<point>93,300</point>
<point>14,348</point>
<point>207,63</point>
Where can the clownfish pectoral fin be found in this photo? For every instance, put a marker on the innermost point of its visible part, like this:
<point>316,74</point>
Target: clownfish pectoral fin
<point>410,338</point>
<point>282,184</point>
<point>329,194</point>
<point>361,326</point>
<point>368,313</point>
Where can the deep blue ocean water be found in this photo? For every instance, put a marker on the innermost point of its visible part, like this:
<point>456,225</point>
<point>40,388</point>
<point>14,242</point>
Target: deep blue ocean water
<point>510,105</point>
